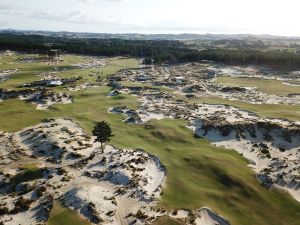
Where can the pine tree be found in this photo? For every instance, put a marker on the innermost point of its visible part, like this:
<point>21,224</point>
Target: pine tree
<point>103,133</point>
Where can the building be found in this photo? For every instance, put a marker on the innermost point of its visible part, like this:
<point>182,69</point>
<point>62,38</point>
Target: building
<point>54,83</point>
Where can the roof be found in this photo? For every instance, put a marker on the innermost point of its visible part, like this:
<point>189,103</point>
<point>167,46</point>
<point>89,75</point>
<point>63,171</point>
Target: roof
<point>54,82</point>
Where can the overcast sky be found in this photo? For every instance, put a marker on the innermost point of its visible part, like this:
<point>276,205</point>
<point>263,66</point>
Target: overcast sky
<point>279,17</point>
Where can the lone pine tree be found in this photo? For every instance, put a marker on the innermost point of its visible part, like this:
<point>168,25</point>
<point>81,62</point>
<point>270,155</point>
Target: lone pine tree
<point>103,132</point>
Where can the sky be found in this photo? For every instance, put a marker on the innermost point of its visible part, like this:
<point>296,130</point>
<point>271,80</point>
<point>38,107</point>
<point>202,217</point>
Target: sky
<point>276,17</point>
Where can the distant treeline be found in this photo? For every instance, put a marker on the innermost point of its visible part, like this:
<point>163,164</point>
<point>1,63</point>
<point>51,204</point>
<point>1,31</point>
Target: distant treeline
<point>157,50</point>
<point>273,58</point>
<point>160,51</point>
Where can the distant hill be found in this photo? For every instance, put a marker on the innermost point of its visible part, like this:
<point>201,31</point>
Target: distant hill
<point>137,36</point>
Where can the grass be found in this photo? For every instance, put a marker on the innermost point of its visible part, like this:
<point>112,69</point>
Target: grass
<point>16,114</point>
<point>198,174</point>
<point>64,216</point>
<point>29,173</point>
<point>145,85</point>
<point>293,82</point>
<point>115,64</point>
<point>24,76</point>
<point>112,66</point>
<point>166,220</point>
<point>265,85</point>
<point>27,70</point>
<point>290,112</point>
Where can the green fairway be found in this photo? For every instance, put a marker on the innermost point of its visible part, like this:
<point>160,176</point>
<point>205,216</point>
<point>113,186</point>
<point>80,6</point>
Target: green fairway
<point>116,64</point>
<point>198,174</point>
<point>202,175</point>
<point>268,86</point>
<point>290,112</point>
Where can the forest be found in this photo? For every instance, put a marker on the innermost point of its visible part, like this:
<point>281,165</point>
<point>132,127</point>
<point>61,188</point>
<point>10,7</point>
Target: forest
<point>157,51</point>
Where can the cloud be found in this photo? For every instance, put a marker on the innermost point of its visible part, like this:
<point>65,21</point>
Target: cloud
<point>2,24</point>
<point>108,22</point>
<point>75,16</point>
<point>87,1</point>
<point>9,11</point>
<point>78,17</point>
<point>92,1</point>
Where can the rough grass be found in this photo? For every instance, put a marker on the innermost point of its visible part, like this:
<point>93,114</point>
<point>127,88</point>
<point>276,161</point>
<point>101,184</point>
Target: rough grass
<point>198,174</point>
<point>166,220</point>
<point>29,173</point>
<point>64,216</point>
<point>265,85</point>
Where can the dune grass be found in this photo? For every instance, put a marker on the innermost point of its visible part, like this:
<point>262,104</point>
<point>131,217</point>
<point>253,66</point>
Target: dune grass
<point>265,85</point>
<point>198,174</point>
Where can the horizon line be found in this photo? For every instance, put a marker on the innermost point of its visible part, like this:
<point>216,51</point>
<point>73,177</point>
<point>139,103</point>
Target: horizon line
<point>155,33</point>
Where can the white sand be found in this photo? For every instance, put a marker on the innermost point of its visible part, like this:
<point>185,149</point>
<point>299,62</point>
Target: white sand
<point>207,217</point>
<point>139,175</point>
